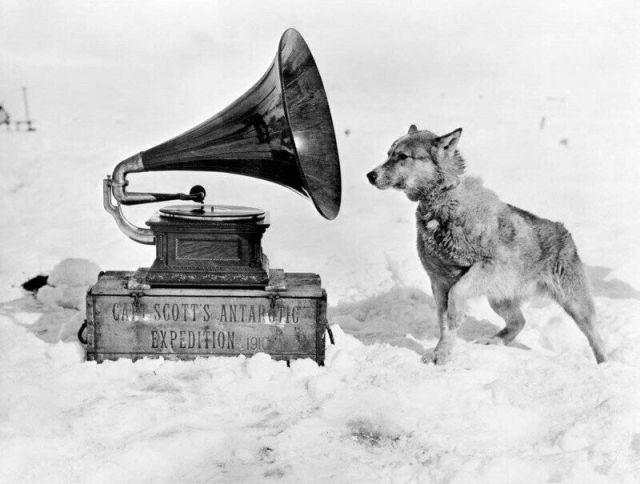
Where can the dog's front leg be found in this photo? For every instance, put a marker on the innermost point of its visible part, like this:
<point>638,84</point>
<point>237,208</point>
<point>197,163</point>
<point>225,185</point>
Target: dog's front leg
<point>453,301</point>
<point>441,353</point>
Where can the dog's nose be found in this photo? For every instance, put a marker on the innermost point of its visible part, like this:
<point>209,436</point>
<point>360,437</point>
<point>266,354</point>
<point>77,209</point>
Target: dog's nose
<point>372,176</point>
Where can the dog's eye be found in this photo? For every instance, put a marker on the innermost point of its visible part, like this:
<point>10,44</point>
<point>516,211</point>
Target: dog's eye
<point>402,156</point>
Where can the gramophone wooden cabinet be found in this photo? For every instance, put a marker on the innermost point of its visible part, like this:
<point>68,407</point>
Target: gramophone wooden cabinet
<point>210,253</point>
<point>184,323</point>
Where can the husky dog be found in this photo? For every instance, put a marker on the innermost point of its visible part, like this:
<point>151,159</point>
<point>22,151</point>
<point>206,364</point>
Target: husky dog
<point>472,244</point>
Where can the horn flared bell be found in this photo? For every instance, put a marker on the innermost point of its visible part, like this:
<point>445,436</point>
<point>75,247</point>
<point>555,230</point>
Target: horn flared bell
<point>280,131</point>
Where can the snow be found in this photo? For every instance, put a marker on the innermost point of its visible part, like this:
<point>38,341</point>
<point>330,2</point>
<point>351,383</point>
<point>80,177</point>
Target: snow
<point>374,412</point>
<point>539,411</point>
<point>67,284</point>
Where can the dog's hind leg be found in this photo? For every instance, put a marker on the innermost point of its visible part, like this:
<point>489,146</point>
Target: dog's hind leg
<point>509,310</point>
<point>441,353</point>
<point>471,284</point>
<point>571,290</point>
<point>582,311</point>
<point>581,308</point>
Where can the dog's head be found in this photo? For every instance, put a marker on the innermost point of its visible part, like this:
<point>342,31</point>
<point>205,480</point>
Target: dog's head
<point>419,162</point>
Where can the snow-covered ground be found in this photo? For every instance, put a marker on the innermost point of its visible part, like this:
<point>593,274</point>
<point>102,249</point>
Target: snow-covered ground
<point>547,96</point>
<point>374,413</point>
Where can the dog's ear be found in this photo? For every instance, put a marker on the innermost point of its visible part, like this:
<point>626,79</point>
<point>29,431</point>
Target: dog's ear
<point>413,129</point>
<point>448,142</point>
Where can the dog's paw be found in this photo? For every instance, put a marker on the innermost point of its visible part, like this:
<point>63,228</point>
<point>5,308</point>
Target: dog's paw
<point>442,355</point>
<point>489,340</point>
<point>437,356</point>
<point>429,356</point>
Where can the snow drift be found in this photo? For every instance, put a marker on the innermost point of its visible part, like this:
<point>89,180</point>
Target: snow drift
<point>373,413</point>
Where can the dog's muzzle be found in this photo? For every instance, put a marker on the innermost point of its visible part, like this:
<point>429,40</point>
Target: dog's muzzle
<point>372,176</point>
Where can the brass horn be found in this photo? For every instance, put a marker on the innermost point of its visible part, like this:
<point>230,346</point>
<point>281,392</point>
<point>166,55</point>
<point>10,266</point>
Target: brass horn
<point>280,130</point>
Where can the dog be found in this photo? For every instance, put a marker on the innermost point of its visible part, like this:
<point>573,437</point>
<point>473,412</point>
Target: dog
<point>472,244</point>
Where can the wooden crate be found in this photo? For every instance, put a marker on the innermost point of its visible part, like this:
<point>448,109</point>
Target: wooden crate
<point>184,323</point>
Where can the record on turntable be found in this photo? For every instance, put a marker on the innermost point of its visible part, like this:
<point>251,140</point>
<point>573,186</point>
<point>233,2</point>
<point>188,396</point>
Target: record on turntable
<point>213,213</point>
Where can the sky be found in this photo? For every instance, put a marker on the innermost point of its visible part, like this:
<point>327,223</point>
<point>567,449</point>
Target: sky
<point>179,63</point>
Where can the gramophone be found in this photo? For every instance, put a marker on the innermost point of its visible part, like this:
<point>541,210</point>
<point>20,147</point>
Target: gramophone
<point>210,290</point>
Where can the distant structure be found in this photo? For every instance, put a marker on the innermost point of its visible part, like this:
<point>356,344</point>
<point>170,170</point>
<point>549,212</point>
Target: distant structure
<point>5,117</point>
<point>27,121</point>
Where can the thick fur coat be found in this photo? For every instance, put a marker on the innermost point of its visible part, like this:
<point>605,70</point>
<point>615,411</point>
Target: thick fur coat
<point>471,243</point>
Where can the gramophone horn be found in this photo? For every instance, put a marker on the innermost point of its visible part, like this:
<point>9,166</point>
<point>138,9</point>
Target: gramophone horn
<point>280,130</point>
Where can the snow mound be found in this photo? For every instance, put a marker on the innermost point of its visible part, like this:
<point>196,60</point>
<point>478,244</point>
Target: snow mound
<point>68,283</point>
<point>57,311</point>
<point>74,272</point>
